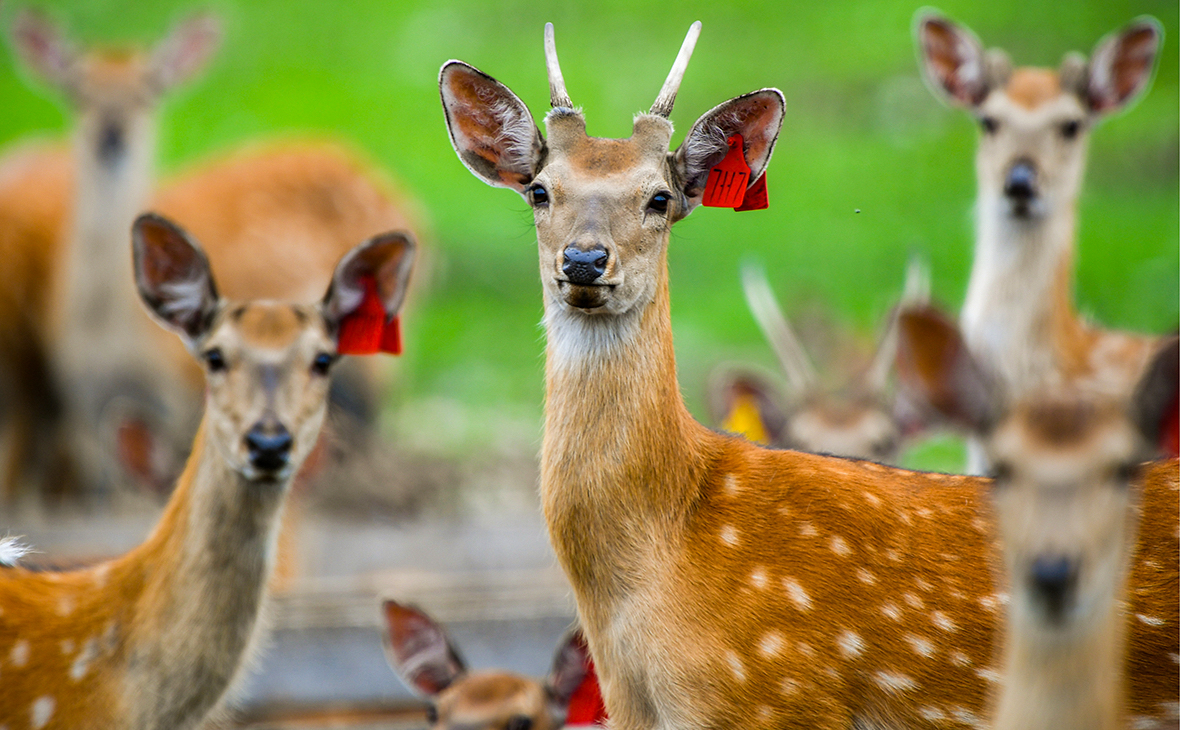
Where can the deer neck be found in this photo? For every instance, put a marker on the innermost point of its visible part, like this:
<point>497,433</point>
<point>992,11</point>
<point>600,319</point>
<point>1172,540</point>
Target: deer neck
<point>622,458</point>
<point>1058,678</point>
<point>205,569</point>
<point>1018,315</point>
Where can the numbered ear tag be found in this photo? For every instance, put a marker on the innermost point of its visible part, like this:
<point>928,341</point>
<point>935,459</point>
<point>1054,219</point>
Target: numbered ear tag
<point>365,331</point>
<point>726,186</point>
<point>756,198</point>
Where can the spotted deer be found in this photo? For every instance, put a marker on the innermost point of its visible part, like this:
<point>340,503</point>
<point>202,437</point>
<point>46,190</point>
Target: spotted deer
<point>154,638</point>
<point>1071,513</point>
<point>429,663</point>
<point>1019,315</point>
<point>275,219</point>
<point>721,584</point>
<point>858,419</point>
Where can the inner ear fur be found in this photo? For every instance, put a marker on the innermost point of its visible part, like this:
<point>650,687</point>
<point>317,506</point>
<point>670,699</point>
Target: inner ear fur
<point>1122,65</point>
<point>952,59</point>
<point>757,117</point>
<point>490,128</point>
<point>173,276</point>
<point>419,650</point>
<point>386,260</point>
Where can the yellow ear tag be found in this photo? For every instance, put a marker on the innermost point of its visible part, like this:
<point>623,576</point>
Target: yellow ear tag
<point>744,419</point>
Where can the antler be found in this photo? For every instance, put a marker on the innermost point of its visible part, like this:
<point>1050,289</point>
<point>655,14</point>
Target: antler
<point>915,293</point>
<point>557,93</point>
<point>667,97</point>
<point>796,365</point>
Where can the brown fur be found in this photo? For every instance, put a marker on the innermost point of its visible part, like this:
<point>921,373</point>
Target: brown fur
<point>1029,88</point>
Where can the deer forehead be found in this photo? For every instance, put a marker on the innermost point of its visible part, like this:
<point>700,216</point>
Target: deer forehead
<point>112,67</point>
<point>269,325</point>
<point>645,151</point>
<point>1032,99</point>
<point>487,695</point>
<point>1055,443</point>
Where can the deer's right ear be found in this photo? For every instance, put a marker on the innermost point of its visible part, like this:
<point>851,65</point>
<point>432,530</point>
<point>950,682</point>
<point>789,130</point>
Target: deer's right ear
<point>173,277</point>
<point>952,60</point>
<point>1155,406</point>
<point>571,666</point>
<point>43,47</point>
<point>419,651</point>
<point>491,129</point>
<point>935,369</point>
<point>374,274</point>
<point>186,50</point>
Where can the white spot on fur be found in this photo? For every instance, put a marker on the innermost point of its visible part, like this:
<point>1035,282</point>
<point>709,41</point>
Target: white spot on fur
<point>1175,658</point>
<point>65,606</point>
<point>872,499</point>
<point>1149,620</point>
<point>735,665</point>
<point>923,585</point>
<point>729,535</point>
<point>797,594</point>
<point>82,662</point>
<point>732,485</point>
<point>765,714</point>
<point>932,714</point>
<point>806,529</point>
<point>758,578</point>
<point>865,577</point>
<point>839,546</point>
<point>988,675</point>
<point>805,649</point>
<point>965,716</point>
<point>67,646</point>
<point>920,645</point>
<point>924,513</point>
<point>789,686</point>
<point>12,550</point>
<point>893,555</point>
<point>42,711</point>
<point>959,659</point>
<point>894,682</point>
<point>851,645</point>
<point>771,644</point>
<point>891,611</point>
<point>942,621</point>
<point>1143,722</point>
<point>101,574</point>
<point>913,600</point>
<point>989,603</point>
<point>19,656</point>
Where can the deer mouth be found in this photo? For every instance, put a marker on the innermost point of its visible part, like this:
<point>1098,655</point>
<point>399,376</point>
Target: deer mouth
<point>584,296</point>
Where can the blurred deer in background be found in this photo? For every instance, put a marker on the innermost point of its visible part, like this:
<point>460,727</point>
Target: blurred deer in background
<point>274,220</point>
<point>856,420</point>
<point>429,663</point>
<point>153,639</point>
<point>1069,508</point>
<point>1019,316</point>
<point>720,584</point>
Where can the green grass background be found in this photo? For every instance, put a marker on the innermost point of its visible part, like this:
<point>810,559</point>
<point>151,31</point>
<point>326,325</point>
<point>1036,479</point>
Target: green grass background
<point>861,133</point>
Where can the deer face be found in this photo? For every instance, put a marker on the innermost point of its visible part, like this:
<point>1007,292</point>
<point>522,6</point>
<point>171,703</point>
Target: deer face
<point>267,364</point>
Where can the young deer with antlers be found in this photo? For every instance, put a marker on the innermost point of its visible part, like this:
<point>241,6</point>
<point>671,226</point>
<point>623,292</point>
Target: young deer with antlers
<point>153,639</point>
<point>430,664</point>
<point>1069,506</point>
<point>720,584</point>
<point>275,220</point>
<point>1019,316</point>
<point>858,420</point>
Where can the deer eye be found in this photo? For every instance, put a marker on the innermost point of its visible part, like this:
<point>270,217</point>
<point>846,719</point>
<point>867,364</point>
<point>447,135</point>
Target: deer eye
<point>215,360</point>
<point>322,363</point>
<point>539,196</point>
<point>1000,474</point>
<point>1070,129</point>
<point>519,722</point>
<point>989,124</point>
<point>1127,473</point>
<point>659,203</point>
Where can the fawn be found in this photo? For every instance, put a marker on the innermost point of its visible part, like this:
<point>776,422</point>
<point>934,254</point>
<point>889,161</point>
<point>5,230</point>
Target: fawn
<point>1019,315</point>
<point>154,638</point>
<point>274,219</point>
<point>430,664</point>
<point>1067,494</point>
<point>857,420</point>
<point>720,584</point>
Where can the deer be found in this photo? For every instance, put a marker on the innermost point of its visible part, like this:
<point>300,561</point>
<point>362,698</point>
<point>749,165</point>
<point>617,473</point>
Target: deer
<point>858,419</point>
<point>430,664</point>
<point>1068,498</point>
<point>719,583</point>
<point>1035,124</point>
<point>154,638</point>
<point>274,219</point>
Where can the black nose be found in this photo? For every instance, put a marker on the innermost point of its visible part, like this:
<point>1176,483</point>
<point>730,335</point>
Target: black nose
<point>111,142</point>
<point>1021,182</point>
<point>583,267</point>
<point>1054,579</point>
<point>269,446</point>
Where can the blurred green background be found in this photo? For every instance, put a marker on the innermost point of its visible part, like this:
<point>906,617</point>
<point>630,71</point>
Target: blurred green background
<point>861,133</point>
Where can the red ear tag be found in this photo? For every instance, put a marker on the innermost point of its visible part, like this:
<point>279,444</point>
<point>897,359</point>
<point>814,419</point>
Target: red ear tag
<point>391,337</point>
<point>726,186</point>
<point>756,196</point>
<point>361,331</point>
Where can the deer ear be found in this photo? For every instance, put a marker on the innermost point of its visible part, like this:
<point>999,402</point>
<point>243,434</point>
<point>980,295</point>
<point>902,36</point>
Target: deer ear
<point>571,665</point>
<point>1155,406</point>
<point>744,402</point>
<point>937,372</point>
<point>379,267</point>
<point>186,50</point>
<point>43,47</point>
<point>490,127</point>
<point>419,651</point>
<point>952,60</point>
<point>1122,65</point>
<point>173,277</point>
<point>757,117</point>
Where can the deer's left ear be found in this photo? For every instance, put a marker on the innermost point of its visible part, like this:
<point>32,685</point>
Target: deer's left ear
<point>757,117</point>
<point>173,275</point>
<point>374,275</point>
<point>1122,65</point>
<point>186,50</point>
<point>1155,406</point>
<point>419,650</point>
<point>571,665</point>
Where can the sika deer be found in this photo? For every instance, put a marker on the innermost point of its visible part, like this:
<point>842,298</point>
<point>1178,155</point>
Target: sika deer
<point>1019,317</point>
<point>858,420</point>
<point>153,639</point>
<point>428,662</point>
<point>720,584</point>
<point>1067,494</point>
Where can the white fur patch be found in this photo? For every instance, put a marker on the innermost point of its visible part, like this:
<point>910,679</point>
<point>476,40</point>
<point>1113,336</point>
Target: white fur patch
<point>921,646</point>
<point>771,644</point>
<point>891,611</point>
<point>729,535</point>
<point>942,621</point>
<point>12,550</point>
<point>839,546</point>
<point>735,666</point>
<point>893,682</point>
<point>797,594</point>
<point>1149,620</point>
<point>19,656</point>
<point>758,578</point>
<point>82,662</point>
<point>960,659</point>
<point>851,645</point>
<point>41,712</point>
